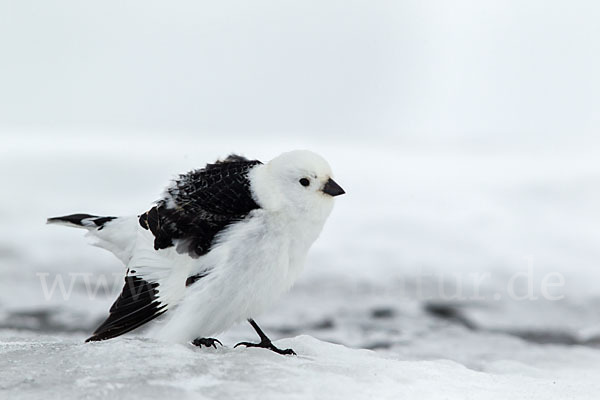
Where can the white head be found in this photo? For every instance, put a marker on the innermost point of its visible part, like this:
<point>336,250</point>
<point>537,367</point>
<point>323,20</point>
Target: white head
<point>298,183</point>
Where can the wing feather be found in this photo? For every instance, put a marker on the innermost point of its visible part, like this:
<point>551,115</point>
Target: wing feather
<point>194,210</point>
<point>137,304</point>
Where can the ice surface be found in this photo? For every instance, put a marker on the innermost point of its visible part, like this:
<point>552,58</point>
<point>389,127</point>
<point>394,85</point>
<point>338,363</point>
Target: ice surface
<point>34,367</point>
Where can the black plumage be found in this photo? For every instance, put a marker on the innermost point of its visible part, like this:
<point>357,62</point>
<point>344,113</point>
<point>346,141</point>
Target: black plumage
<point>194,278</point>
<point>200,204</point>
<point>137,304</point>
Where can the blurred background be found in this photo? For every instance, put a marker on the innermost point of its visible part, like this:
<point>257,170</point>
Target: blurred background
<point>465,133</point>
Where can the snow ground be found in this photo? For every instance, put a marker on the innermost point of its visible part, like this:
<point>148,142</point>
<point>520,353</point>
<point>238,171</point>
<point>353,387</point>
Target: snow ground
<point>416,263</point>
<point>120,368</point>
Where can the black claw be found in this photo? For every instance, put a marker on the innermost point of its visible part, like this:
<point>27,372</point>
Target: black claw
<point>265,342</point>
<point>206,342</point>
<point>268,345</point>
<point>287,352</point>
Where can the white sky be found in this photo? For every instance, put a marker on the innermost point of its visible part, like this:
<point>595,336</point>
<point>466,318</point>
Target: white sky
<point>468,69</point>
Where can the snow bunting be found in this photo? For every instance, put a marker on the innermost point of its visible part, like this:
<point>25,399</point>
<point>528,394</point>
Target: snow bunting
<point>222,245</point>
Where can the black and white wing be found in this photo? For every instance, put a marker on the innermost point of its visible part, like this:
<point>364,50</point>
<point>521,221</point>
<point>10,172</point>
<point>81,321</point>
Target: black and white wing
<point>195,208</point>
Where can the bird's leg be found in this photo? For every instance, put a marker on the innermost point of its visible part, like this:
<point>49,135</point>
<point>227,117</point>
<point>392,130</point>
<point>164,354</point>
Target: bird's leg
<point>265,342</point>
<point>206,342</point>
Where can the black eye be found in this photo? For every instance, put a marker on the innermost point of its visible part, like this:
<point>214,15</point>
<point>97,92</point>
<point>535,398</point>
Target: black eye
<point>304,182</point>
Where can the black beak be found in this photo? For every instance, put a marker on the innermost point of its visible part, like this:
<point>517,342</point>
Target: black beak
<point>332,188</point>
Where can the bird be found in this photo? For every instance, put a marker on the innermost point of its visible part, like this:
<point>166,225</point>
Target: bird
<point>219,247</point>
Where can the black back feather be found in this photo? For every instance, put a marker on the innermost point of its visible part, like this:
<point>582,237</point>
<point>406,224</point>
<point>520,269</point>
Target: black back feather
<point>200,204</point>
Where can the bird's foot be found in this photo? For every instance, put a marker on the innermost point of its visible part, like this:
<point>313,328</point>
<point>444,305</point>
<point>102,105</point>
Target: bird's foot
<point>267,344</point>
<point>206,342</point>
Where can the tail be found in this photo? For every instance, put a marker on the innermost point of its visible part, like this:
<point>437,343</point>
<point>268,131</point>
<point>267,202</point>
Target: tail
<point>117,235</point>
<point>81,221</point>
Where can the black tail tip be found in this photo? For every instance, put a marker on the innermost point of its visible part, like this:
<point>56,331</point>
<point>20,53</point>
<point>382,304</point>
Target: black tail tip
<point>81,220</point>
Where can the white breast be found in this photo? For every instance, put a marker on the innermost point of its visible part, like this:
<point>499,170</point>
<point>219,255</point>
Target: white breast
<point>251,265</point>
